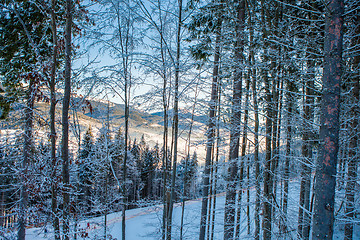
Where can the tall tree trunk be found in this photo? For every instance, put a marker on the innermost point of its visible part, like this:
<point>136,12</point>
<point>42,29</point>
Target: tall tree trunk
<point>176,120</point>
<point>211,195</point>
<point>27,156</point>
<point>165,137</point>
<point>256,160</point>
<point>323,218</point>
<point>242,157</point>
<point>276,116</point>
<point>218,139</point>
<point>56,224</point>
<point>124,40</point>
<point>184,197</point>
<point>306,152</point>
<point>211,186</point>
<point>267,203</point>
<point>210,134</point>
<point>268,179</point>
<point>165,103</point>
<point>256,124</point>
<point>353,146</point>
<point>165,161</point>
<point>127,113</point>
<point>230,199</point>
<point>289,103</point>
<point>278,134</point>
<point>65,122</point>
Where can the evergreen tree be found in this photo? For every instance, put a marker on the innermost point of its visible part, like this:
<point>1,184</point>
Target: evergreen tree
<point>187,171</point>
<point>101,163</point>
<point>21,52</point>
<point>86,171</point>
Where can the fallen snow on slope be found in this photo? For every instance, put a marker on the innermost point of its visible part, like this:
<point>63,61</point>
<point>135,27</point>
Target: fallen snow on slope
<point>141,223</point>
<point>145,223</point>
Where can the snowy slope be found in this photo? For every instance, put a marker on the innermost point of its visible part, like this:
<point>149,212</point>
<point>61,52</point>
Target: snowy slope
<point>142,223</point>
<point>145,223</point>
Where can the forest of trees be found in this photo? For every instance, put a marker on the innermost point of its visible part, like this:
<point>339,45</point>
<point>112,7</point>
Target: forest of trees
<point>278,82</point>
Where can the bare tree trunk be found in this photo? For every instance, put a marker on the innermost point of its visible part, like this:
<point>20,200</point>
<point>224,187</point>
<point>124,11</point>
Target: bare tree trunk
<point>267,204</point>
<point>218,139</point>
<point>125,45</point>
<point>289,103</point>
<point>242,157</point>
<point>230,199</point>
<point>165,162</point>
<point>248,197</point>
<point>210,135</point>
<point>323,219</point>
<point>211,195</point>
<point>186,163</point>
<point>165,156</point>
<point>52,84</point>
<point>127,113</point>
<point>27,156</point>
<point>353,148</point>
<point>256,160</point>
<point>65,122</point>
<point>304,216</point>
<point>306,149</point>
<point>268,179</point>
<point>256,126</point>
<point>276,116</point>
<point>176,120</point>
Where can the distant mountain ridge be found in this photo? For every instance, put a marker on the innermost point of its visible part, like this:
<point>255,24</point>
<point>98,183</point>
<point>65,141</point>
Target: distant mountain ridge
<point>141,123</point>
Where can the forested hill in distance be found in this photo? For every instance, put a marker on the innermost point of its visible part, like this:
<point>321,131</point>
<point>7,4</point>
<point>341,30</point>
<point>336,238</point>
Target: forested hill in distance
<point>96,113</point>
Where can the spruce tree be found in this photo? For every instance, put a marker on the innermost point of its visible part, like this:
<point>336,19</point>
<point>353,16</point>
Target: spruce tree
<point>86,171</point>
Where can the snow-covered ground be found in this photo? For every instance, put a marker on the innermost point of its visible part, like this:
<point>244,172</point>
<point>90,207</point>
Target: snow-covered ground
<point>145,223</point>
<point>141,223</point>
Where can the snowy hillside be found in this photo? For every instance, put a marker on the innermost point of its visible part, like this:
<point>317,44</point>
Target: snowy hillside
<point>145,223</point>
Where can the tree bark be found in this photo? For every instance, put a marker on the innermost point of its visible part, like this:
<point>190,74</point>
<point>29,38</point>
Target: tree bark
<point>27,156</point>
<point>267,203</point>
<point>256,127</point>
<point>289,103</point>
<point>127,113</point>
<point>65,122</point>
<point>242,157</point>
<point>306,152</point>
<point>56,224</point>
<point>230,199</point>
<point>176,120</point>
<point>353,145</point>
<point>210,135</point>
<point>323,219</point>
